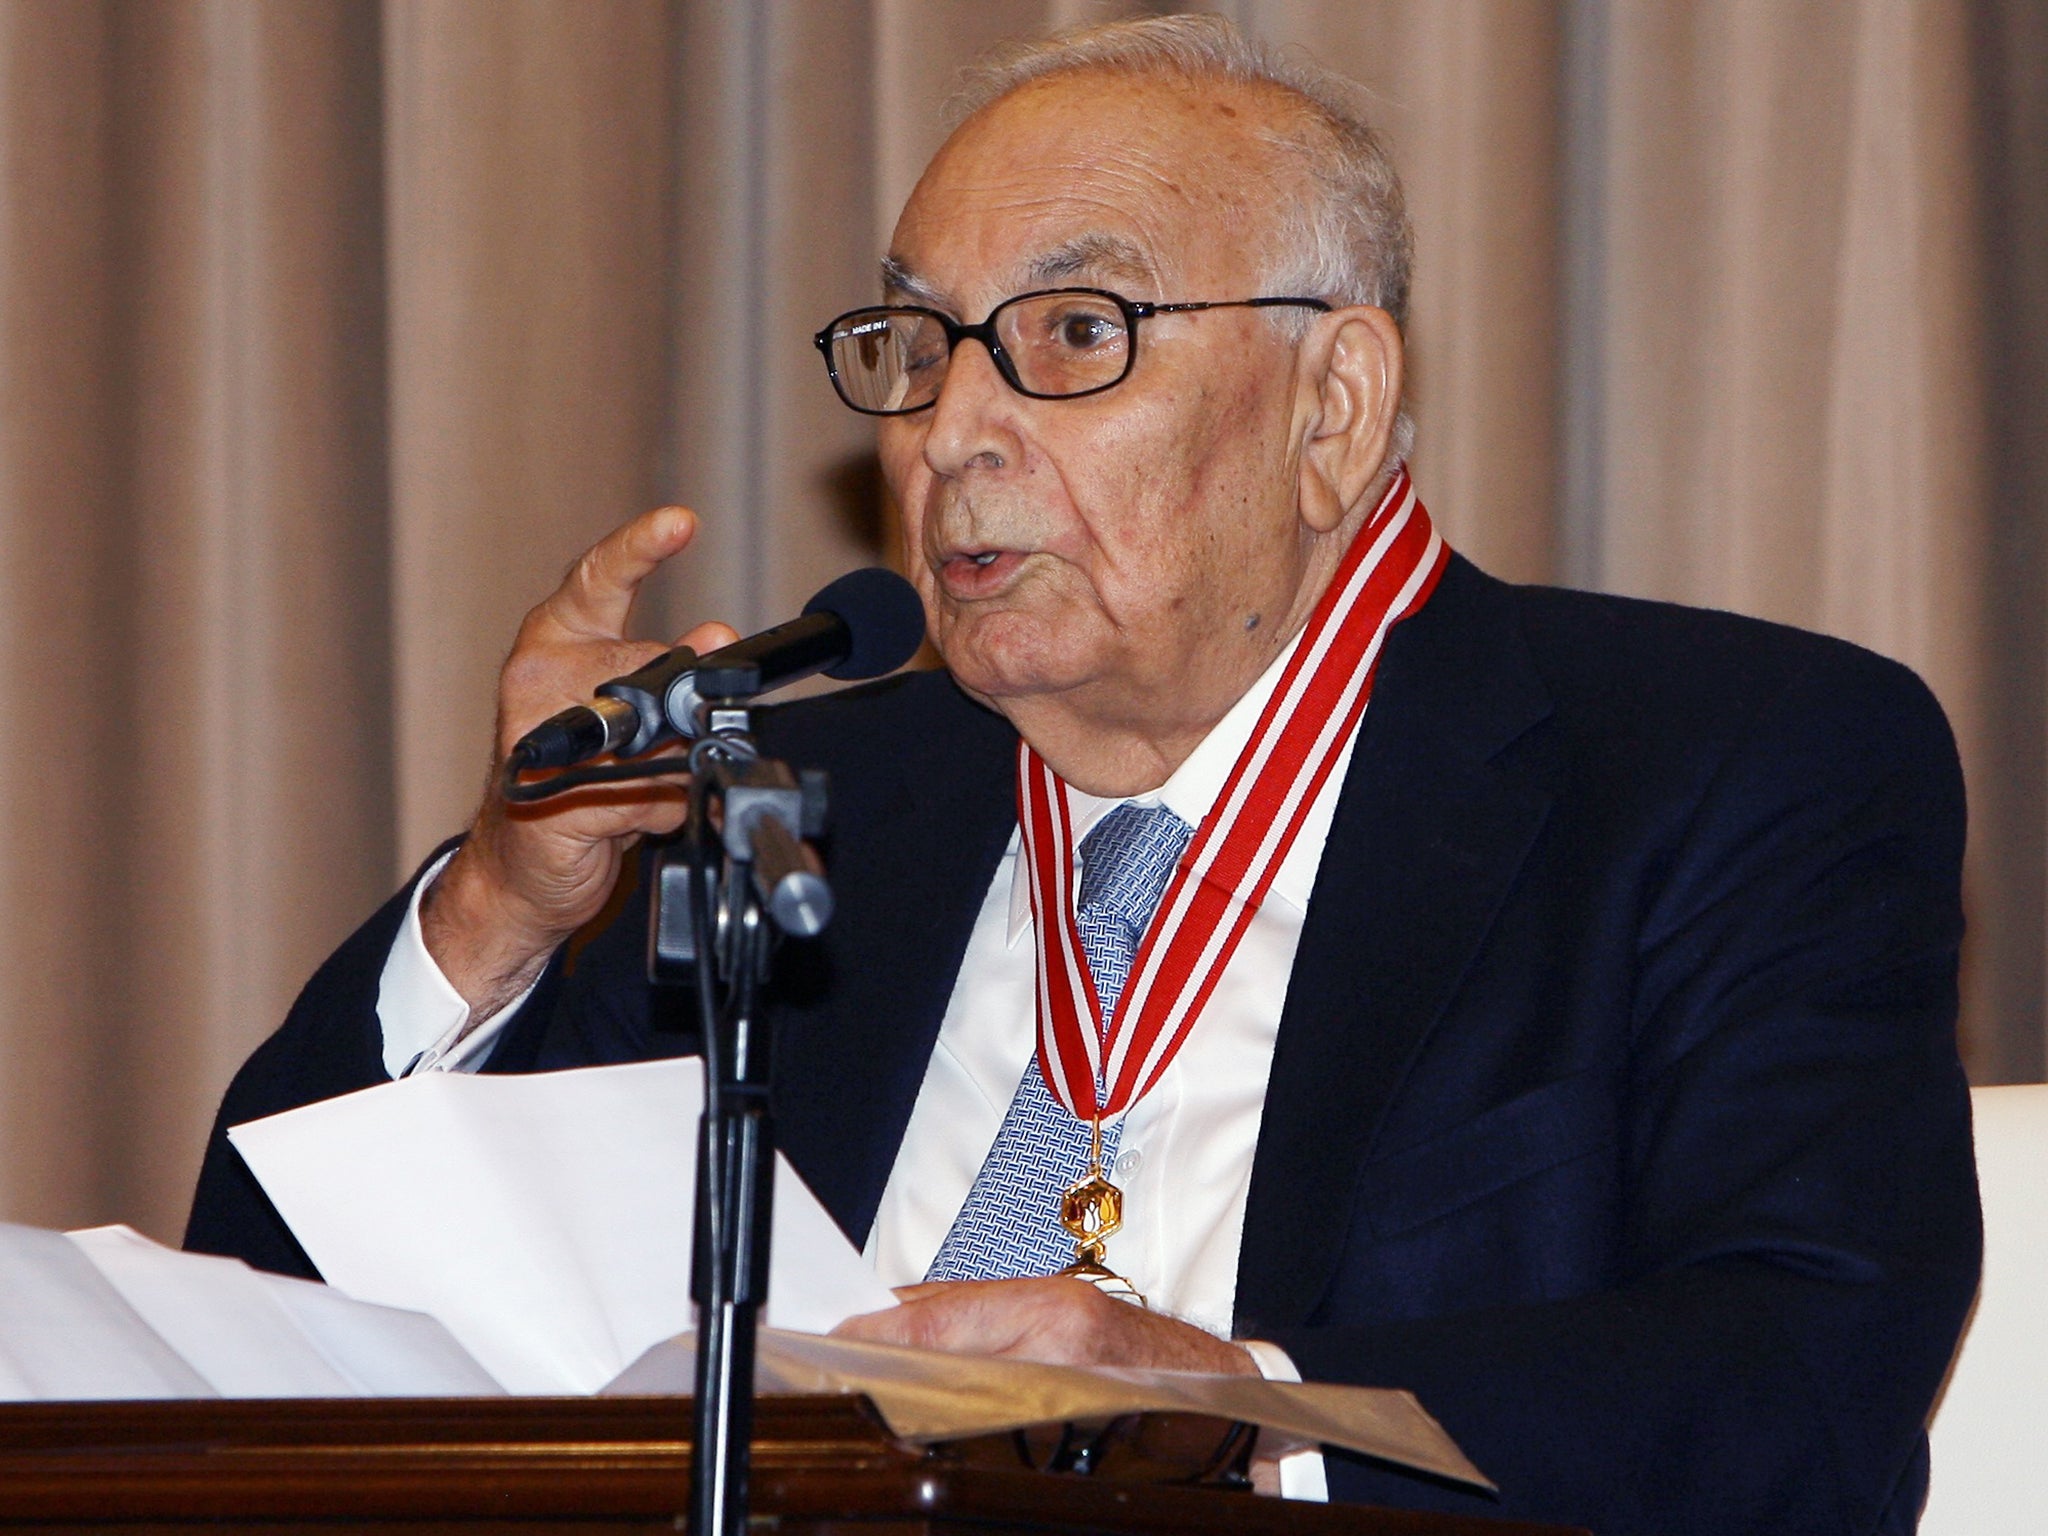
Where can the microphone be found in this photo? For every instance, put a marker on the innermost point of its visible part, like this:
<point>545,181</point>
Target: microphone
<point>866,623</point>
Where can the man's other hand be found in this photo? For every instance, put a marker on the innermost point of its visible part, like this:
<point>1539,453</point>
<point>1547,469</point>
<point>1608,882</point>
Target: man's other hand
<point>529,876</point>
<point>1056,1321</point>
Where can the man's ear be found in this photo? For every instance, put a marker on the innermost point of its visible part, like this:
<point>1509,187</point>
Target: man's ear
<point>1351,396</point>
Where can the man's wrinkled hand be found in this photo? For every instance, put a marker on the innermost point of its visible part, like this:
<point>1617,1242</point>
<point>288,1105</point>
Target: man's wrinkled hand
<point>529,876</point>
<point>1056,1321</point>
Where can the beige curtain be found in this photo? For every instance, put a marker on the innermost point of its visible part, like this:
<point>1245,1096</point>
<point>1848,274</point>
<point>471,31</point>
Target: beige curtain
<point>195,643</point>
<point>330,330</point>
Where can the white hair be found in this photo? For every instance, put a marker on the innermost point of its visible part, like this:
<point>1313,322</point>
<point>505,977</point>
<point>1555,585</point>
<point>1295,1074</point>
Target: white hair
<point>1349,243</point>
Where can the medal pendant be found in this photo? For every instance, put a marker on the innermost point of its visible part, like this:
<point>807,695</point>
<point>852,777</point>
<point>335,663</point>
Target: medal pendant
<point>1092,1211</point>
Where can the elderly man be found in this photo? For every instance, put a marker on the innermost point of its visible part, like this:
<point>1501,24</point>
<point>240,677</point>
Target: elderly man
<point>1539,1001</point>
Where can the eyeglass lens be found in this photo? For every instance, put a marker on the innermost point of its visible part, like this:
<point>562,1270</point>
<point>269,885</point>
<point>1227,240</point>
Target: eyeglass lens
<point>1053,343</point>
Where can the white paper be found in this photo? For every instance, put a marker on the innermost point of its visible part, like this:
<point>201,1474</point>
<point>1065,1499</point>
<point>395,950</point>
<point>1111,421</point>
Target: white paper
<point>66,1333</point>
<point>250,1334</point>
<point>383,1351</point>
<point>544,1218</point>
<point>109,1314</point>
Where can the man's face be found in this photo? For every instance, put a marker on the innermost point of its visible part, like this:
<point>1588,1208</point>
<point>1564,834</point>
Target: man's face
<point>1129,560</point>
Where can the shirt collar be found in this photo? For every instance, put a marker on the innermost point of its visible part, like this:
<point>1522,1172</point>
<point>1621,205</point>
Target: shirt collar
<point>1190,793</point>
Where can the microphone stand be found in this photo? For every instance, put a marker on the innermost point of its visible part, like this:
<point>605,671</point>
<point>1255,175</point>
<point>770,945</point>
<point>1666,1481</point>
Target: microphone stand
<point>720,893</point>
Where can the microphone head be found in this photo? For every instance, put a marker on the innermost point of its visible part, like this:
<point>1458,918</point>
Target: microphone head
<point>883,616</point>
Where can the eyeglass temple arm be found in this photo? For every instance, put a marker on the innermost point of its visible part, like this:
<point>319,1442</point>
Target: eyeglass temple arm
<point>1141,308</point>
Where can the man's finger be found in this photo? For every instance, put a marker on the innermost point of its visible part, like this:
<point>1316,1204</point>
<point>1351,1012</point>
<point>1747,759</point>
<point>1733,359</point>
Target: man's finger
<point>598,592</point>
<point>709,637</point>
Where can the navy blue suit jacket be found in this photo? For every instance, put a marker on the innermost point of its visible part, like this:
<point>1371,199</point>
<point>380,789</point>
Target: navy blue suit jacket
<point>1615,1108</point>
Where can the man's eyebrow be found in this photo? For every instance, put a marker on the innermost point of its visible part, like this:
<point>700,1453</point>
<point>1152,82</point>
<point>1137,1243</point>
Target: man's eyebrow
<point>1092,255</point>
<point>899,282</point>
<point>1104,257</point>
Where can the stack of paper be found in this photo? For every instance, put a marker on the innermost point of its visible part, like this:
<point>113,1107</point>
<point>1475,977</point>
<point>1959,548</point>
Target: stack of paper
<point>532,1234</point>
<point>109,1314</point>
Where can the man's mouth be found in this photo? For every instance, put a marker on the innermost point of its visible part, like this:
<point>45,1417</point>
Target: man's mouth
<point>972,573</point>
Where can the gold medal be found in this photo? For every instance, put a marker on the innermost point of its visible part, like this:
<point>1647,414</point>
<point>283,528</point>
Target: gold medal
<point>1092,1211</point>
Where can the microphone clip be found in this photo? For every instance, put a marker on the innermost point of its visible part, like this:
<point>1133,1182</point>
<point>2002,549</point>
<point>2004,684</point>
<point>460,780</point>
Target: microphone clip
<point>761,814</point>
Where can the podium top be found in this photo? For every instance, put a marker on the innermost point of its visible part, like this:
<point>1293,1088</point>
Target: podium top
<point>488,1463</point>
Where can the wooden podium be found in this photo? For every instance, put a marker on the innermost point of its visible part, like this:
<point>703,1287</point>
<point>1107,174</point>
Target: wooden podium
<point>821,1464</point>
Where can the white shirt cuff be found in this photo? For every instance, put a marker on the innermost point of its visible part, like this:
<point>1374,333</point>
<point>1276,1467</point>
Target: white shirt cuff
<point>424,1020</point>
<point>1301,1472</point>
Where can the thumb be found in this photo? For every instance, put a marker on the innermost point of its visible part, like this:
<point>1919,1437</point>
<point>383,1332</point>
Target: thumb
<point>709,637</point>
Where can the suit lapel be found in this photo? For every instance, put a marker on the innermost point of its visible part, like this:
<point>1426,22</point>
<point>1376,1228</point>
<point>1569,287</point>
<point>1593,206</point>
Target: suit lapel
<point>1428,837</point>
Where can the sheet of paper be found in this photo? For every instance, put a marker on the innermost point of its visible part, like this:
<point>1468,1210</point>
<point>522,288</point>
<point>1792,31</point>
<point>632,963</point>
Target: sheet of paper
<point>544,1218</point>
<point>66,1333</point>
<point>928,1397</point>
<point>383,1351</point>
<point>255,1335</point>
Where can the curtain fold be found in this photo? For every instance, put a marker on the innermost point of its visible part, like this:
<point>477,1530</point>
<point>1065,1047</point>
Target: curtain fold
<point>2009,54</point>
<point>330,330</point>
<point>529,149</point>
<point>58,547</point>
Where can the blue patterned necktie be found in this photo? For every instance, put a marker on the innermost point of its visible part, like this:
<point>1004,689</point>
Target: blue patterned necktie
<point>1009,1225</point>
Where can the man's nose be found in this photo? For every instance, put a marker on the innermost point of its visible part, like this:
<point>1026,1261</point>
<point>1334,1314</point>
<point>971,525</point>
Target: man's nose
<point>973,420</point>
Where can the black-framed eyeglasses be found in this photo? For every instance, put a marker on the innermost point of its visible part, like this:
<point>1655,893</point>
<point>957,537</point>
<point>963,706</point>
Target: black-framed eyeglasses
<point>1057,344</point>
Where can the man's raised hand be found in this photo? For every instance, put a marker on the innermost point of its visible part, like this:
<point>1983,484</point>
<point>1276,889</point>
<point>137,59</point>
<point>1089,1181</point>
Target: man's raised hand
<point>529,876</point>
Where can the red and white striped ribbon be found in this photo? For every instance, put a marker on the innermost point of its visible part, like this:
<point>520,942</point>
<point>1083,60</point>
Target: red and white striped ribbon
<point>1388,573</point>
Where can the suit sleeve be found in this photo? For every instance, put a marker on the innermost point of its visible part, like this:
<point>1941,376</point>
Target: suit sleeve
<point>1798,1238</point>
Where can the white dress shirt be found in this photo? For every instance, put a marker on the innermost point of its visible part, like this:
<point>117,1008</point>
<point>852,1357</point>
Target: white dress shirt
<point>1184,1161</point>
